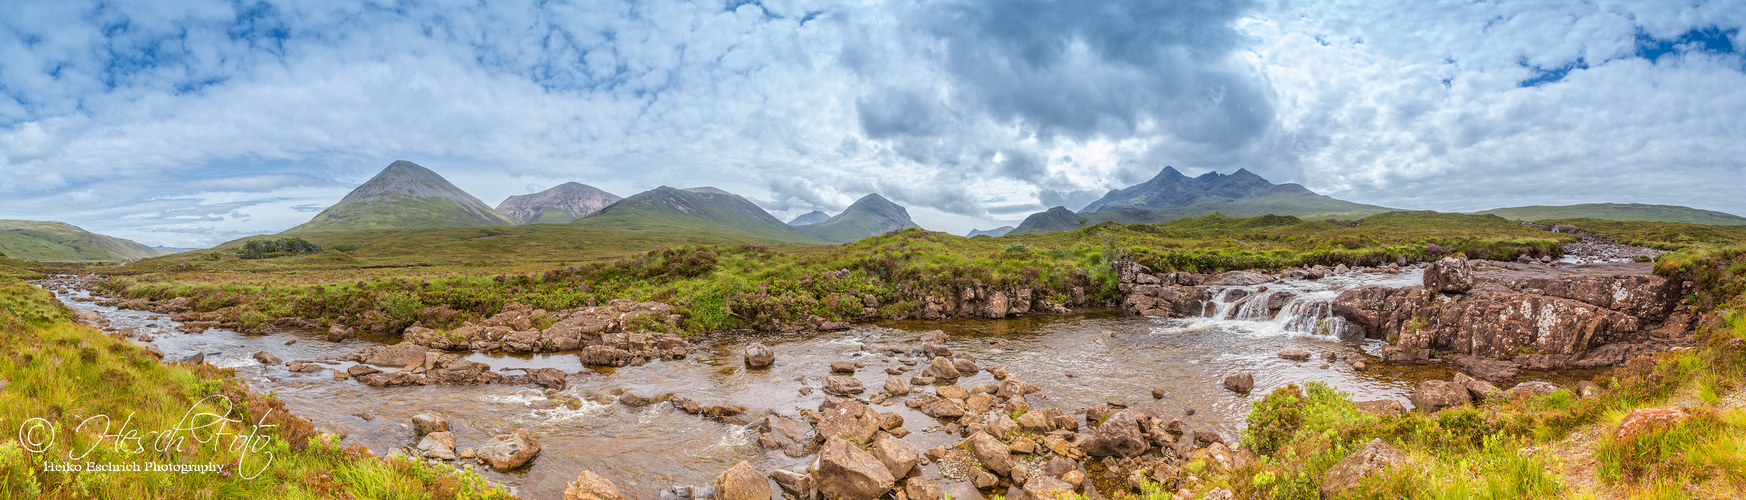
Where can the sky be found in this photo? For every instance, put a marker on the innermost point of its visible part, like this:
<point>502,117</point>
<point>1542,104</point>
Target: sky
<point>193,122</point>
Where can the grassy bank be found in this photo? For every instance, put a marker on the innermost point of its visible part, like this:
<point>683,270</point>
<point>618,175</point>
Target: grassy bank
<point>720,286</point>
<point>71,395</point>
<point>1550,446</point>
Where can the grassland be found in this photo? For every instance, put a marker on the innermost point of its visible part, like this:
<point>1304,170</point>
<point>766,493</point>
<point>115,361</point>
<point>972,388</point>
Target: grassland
<point>59,241</point>
<point>58,380</point>
<point>1620,212</point>
<point>724,281</point>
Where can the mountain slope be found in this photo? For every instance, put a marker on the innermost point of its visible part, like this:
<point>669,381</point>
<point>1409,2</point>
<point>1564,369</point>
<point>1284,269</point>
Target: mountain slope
<point>60,241</point>
<point>813,217</point>
<point>1171,195</point>
<point>995,233</point>
<point>1620,212</point>
<point>404,195</point>
<point>694,211</point>
<point>871,215</point>
<point>563,203</point>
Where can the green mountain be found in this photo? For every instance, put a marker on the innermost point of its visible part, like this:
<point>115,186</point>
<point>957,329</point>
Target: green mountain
<point>813,217</point>
<point>871,215</point>
<point>993,233</point>
<point>1171,195</point>
<point>1620,212</point>
<point>564,203</point>
<point>404,195</point>
<point>60,241</point>
<point>702,210</point>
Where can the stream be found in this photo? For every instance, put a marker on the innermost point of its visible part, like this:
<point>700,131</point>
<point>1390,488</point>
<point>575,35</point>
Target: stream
<point>1079,360</point>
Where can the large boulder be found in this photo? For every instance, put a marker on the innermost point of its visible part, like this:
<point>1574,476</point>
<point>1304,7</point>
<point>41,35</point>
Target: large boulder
<point>1119,436</point>
<point>759,356</point>
<point>843,471</point>
<point>590,486</point>
<point>842,385</point>
<point>896,386</point>
<point>508,451</point>
<point>1240,383</point>
<point>1048,488</point>
<point>921,488</point>
<point>899,457</point>
<point>1374,456</point>
<point>941,368</point>
<point>1435,395</point>
<point>742,482</point>
<point>1450,275</point>
<point>991,453</point>
<point>426,423</point>
<point>401,355</point>
<point>1643,420</point>
<point>793,437</point>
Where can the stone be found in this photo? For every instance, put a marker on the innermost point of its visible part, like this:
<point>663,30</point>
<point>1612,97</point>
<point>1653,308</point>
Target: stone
<point>339,333</point>
<point>1035,421</point>
<point>921,488</point>
<point>426,423</point>
<point>951,392</point>
<point>965,366</point>
<point>590,486</point>
<point>438,445</point>
<point>1643,420</point>
<point>842,367</point>
<point>842,385</point>
<point>843,471</point>
<point>982,479</point>
<point>979,403</point>
<point>399,355</point>
<point>1240,383</point>
<point>359,370</point>
<point>267,358</point>
<point>1048,488</point>
<point>742,482</point>
<point>1205,437</point>
<point>1530,389</point>
<point>506,452</point>
<point>1119,436</point>
<point>1375,456</point>
<point>1449,275</point>
<point>793,484</point>
<point>334,429</point>
<point>1586,389</point>
<point>896,386</point>
<point>991,453</point>
<point>759,356</point>
<point>1383,407</point>
<point>1001,426</point>
<point>944,408</point>
<point>793,437</point>
<point>1435,395</point>
<point>1157,393</point>
<point>1295,355</point>
<point>940,368</point>
<point>850,419</point>
<point>899,457</point>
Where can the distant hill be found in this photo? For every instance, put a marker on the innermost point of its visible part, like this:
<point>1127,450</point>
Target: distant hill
<point>813,217</point>
<point>60,241</point>
<point>563,203</point>
<point>709,211</point>
<point>164,250</point>
<point>404,195</point>
<point>996,232</point>
<point>1620,212</point>
<point>871,215</point>
<point>1171,195</point>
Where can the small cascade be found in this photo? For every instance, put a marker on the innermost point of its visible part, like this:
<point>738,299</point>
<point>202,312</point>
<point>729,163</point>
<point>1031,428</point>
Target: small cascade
<point>1253,308</point>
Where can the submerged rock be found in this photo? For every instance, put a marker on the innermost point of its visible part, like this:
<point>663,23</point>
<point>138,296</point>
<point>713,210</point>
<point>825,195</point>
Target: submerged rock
<point>1240,383</point>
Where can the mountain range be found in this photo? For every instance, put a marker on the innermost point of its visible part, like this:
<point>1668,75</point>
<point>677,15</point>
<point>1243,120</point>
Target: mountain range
<point>995,233</point>
<point>404,195</point>
<point>1171,195</point>
<point>60,241</point>
<point>563,203</point>
<point>1620,211</point>
<point>697,209</point>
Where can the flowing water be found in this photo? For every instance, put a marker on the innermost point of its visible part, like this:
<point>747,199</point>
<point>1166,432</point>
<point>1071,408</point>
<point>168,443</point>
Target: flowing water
<point>1079,360</point>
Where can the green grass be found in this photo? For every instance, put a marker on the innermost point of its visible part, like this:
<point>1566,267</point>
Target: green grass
<point>59,375</point>
<point>399,213</point>
<point>701,212</point>
<point>1619,212</point>
<point>59,241</point>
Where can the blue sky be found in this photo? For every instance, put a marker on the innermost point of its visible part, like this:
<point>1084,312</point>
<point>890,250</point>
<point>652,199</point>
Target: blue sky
<point>190,123</point>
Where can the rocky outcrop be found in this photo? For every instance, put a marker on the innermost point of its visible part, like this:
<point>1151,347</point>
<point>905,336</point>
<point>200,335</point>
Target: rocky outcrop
<point>1375,456</point>
<point>614,334</point>
<point>1643,420</point>
<point>1450,275</point>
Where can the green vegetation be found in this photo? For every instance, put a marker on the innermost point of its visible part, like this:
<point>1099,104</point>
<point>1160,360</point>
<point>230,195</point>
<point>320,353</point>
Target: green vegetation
<point>870,215</point>
<point>1548,446</point>
<point>444,276</point>
<point>266,249</point>
<point>58,375</point>
<point>1620,212</point>
<point>700,212</point>
<point>59,241</point>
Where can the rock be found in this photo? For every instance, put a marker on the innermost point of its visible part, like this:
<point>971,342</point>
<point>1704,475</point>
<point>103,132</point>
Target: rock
<point>1174,428</point>
<point>426,423</point>
<point>1489,369</point>
<point>842,367</point>
<point>793,437</point>
<point>991,453</point>
<point>982,479</point>
<point>940,368</point>
<point>843,471</point>
<point>1295,355</point>
<point>793,484</point>
<point>1205,437</point>
<point>360,370</point>
<point>1383,407</point>
<point>951,392</point>
<point>1479,390</point>
<point>1644,420</point>
<point>339,333</point>
<point>334,429</point>
<point>759,356</point>
<point>849,419</point>
<point>921,488</point>
<point>1119,436</point>
<point>438,445</point>
<point>196,359</point>
<point>590,486</point>
<point>742,482</point>
<point>1047,488</point>
<point>965,366</point>
<point>896,386</point>
<point>1238,278</point>
<point>899,457</point>
<point>1530,389</point>
<point>1373,457</point>
<point>978,403</point>
<point>1450,275</point>
<point>1240,383</point>
<point>508,451</point>
<point>944,408</point>
<point>1586,389</point>
<point>999,372</point>
<point>1434,395</point>
<point>267,358</point>
<point>1157,393</point>
<point>399,355</point>
<point>842,385</point>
